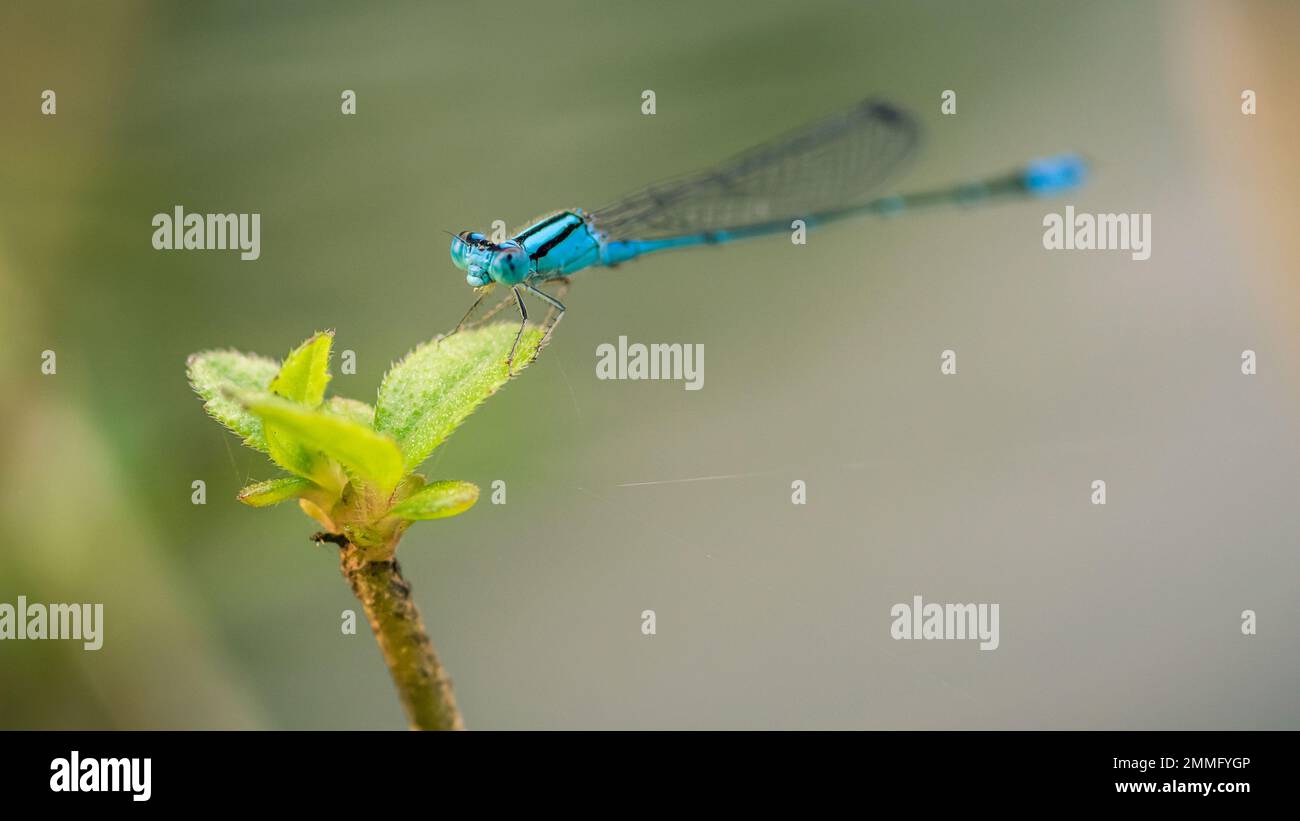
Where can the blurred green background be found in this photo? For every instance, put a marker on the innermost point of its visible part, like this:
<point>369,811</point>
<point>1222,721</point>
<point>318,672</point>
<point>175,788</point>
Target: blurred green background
<point>821,365</point>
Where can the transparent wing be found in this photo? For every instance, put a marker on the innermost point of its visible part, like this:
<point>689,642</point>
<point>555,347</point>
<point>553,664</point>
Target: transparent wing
<point>831,163</point>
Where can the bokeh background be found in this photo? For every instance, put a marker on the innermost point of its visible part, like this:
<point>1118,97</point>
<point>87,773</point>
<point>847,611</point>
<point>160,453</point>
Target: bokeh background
<point>821,365</point>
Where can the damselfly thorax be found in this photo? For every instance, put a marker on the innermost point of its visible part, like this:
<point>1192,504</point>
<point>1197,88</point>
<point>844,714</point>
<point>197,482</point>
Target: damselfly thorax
<point>553,246</point>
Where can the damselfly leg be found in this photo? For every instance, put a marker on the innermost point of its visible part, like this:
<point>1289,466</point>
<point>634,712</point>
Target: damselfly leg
<point>482,296</point>
<point>552,318</point>
<point>475,316</point>
<point>556,313</point>
<point>523,323</point>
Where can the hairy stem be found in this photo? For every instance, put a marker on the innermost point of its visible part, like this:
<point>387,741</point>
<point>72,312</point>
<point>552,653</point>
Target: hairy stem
<point>422,684</point>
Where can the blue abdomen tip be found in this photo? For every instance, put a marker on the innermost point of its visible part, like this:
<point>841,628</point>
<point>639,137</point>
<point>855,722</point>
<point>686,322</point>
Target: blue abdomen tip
<point>1053,175</point>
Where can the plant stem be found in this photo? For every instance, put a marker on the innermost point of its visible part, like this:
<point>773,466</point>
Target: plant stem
<point>422,684</point>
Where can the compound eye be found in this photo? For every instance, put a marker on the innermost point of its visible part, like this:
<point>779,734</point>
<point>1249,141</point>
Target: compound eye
<point>463,245</point>
<point>510,264</point>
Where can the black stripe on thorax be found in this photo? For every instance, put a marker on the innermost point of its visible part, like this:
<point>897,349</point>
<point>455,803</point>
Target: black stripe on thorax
<point>539,226</point>
<point>546,247</point>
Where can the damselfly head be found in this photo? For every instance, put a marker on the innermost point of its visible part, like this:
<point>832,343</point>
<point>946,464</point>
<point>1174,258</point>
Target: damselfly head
<point>484,261</point>
<point>471,252</point>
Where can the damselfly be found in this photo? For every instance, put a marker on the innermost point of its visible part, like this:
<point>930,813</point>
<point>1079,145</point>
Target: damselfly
<point>821,173</point>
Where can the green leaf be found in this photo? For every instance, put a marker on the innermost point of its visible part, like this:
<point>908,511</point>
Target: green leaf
<point>367,454</point>
<point>293,456</point>
<point>430,392</point>
<point>305,371</point>
<point>213,373</point>
<point>287,451</point>
<point>353,409</point>
<point>438,500</point>
<point>302,379</point>
<point>275,491</point>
